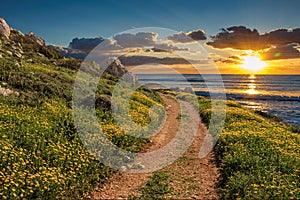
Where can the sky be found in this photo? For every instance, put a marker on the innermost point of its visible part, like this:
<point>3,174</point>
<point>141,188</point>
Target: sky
<point>59,21</point>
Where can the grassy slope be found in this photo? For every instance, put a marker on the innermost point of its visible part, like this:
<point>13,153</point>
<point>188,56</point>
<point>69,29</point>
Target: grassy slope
<point>259,158</point>
<point>41,153</point>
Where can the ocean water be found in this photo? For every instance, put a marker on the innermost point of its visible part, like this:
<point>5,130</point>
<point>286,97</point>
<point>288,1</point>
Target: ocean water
<point>275,94</point>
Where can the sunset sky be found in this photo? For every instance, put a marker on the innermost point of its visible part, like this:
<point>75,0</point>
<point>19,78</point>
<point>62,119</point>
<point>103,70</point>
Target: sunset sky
<point>245,33</point>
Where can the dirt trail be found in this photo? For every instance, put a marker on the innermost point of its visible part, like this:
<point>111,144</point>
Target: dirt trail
<point>192,177</point>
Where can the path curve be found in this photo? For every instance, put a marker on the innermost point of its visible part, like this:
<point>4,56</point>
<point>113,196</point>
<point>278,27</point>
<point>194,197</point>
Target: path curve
<point>202,171</point>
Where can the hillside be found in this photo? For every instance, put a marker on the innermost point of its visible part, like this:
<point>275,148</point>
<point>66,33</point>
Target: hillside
<point>41,153</point>
<point>43,156</point>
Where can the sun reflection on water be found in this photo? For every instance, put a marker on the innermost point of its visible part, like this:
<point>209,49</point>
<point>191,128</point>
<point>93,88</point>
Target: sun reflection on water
<point>251,85</point>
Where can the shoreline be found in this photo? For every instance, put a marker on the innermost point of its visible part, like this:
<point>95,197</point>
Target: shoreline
<point>263,112</point>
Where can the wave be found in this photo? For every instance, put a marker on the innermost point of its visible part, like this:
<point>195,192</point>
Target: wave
<point>250,97</point>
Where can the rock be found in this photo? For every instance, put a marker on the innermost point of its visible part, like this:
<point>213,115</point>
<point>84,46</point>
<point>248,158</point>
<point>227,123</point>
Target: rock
<point>140,166</point>
<point>41,55</point>
<point>9,53</point>
<point>116,68</point>
<point>175,89</point>
<point>123,168</point>
<point>17,31</point>
<point>4,28</point>
<point>103,101</point>
<point>17,54</point>
<point>0,55</point>
<point>188,90</point>
<point>17,64</point>
<point>131,78</point>
<point>19,45</point>
<point>5,92</point>
<point>36,38</point>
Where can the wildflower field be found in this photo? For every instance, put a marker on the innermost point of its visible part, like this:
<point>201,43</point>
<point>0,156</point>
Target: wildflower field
<point>258,157</point>
<point>41,154</point>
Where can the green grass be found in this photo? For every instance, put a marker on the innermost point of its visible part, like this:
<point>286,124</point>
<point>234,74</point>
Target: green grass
<point>40,150</point>
<point>258,157</point>
<point>155,188</point>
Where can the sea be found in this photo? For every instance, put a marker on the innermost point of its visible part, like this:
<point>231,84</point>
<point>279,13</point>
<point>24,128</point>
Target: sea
<point>278,95</point>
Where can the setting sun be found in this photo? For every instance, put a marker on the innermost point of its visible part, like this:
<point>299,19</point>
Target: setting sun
<point>253,63</point>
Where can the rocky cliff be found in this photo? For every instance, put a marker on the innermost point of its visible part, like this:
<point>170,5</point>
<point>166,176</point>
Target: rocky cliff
<point>19,49</point>
<point>4,28</point>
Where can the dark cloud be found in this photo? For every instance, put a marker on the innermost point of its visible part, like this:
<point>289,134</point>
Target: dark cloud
<point>281,52</point>
<point>282,37</point>
<point>189,37</point>
<point>180,38</point>
<point>164,47</point>
<point>85,44</point>
<point>197,35</point>
<point>141,39</point>
<point>237,37</point>
<point>242,38</point>
<point>230,60</point>
<point>141,60</point>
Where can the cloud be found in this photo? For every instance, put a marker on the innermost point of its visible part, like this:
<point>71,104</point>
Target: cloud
<point>230,60</point>
<point>282,52</point>
<point>197,35</point>
<point>242,38</point>
<point>141,39</point>
<point>164,47</point>
<point>189,37</point>
<point>109,44</point>
<point>85,44</point>
<point>282,37</point>
<point>141,60</point>
<point>237,37</point>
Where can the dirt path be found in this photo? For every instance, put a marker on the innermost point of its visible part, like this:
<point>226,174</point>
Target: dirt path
<point>191,177</point>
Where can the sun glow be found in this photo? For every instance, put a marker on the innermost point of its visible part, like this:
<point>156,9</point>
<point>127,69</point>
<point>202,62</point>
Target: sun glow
<point>253,63</point>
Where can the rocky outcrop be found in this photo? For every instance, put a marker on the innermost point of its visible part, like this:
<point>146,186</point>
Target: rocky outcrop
<point>4,28</point>
<point>116,68</point>
<point>5,92</point>
<point>36,38</point>
<point>188,90</point>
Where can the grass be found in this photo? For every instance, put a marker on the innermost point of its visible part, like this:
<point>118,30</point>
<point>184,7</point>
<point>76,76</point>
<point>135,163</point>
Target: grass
<point>40,150</point>
<point>156,187</point>
<point>43,157</point>
<point>259,158</point>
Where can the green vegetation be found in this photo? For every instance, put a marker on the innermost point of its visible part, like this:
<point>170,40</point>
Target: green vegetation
<point>258,157</point>
<point>156,187</point>
<point>43,157</point>
<point>40,150</point>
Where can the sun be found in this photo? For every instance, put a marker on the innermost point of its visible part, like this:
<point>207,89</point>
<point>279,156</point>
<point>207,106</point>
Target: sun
<point>253,63</point>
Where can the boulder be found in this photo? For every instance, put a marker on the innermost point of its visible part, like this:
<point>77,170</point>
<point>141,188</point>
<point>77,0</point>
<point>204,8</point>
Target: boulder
<point>116,68</point>
<point>9,53</point>
<point>4,28</point>
<point>188,90</point>
<point>17,54</point>
<point>5,92</point>
<point>36,38</point>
